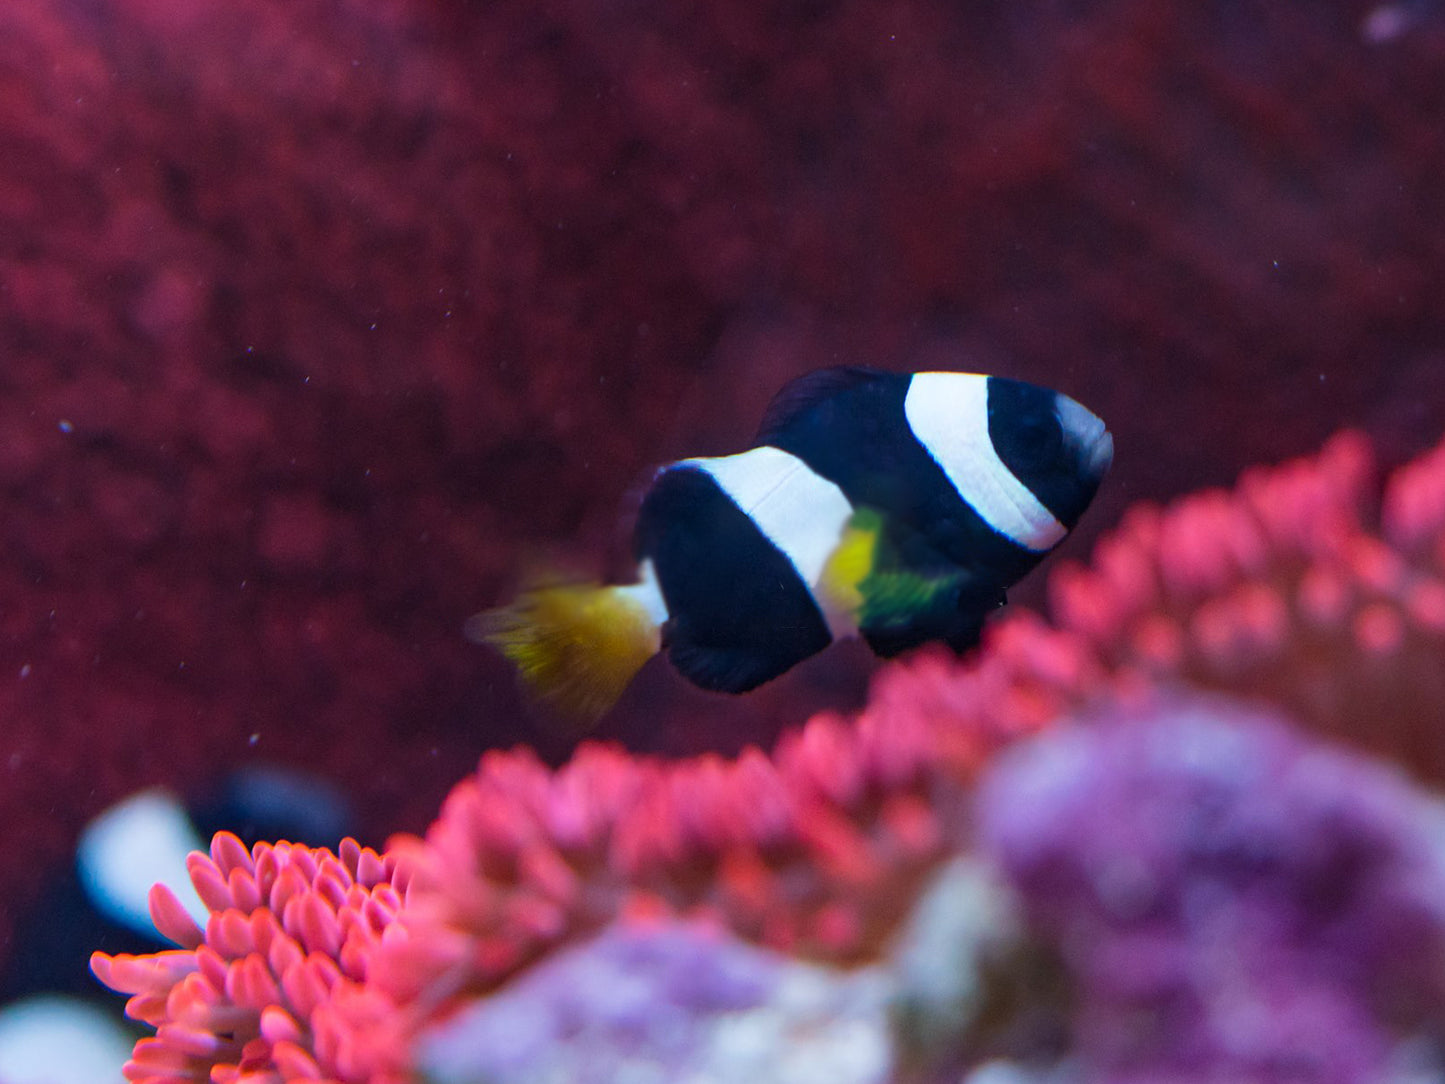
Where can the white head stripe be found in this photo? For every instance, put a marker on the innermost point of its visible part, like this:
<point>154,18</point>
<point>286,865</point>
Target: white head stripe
<point>800,512</point>
<point>948,413</point>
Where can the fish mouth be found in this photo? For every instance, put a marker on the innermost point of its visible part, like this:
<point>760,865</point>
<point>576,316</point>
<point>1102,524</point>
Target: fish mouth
<point>1086,433</point>
<point>1099,455</point>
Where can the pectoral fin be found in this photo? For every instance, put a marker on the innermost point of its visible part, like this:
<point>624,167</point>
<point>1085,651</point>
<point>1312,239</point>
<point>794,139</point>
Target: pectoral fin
<point>840,588</point>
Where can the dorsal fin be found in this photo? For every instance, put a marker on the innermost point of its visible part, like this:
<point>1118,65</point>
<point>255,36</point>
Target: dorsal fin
<point>799,396</point>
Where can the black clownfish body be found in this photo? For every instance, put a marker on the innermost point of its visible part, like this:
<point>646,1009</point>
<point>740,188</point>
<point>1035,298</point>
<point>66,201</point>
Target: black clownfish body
<point>896,506</point>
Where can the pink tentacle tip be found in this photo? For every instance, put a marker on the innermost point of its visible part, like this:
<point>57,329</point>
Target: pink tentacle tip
<point>209,882</point>
<point>838,928</point>
<point>1378,630</point>
<point>102,967</point>
<point>171,918</point>
<point>1425,602</point>
<point>229,853</point>
<point>278,1025</point>
<point>295,1063</point>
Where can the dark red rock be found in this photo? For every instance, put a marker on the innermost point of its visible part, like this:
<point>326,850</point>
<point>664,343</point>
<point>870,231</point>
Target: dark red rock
<point>450,277</point>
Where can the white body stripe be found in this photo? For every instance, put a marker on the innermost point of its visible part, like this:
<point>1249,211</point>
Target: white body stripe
<point>800,512</point>
<point>948,413</point>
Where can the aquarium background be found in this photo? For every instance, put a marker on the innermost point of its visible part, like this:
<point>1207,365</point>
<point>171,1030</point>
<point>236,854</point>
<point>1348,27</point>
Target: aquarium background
<point>322,324</point>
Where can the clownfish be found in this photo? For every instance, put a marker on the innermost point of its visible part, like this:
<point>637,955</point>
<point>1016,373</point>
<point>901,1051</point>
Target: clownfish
<point>896,506</point>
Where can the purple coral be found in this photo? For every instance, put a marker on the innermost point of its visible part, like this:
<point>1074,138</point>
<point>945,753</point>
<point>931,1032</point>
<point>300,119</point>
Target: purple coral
<point>668,1001</point>
<point>1229,899</point>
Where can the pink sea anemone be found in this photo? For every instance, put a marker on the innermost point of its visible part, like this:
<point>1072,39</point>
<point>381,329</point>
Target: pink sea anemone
<point>1281,589</point>
<point>274,988</point>
<point>1285,589</point>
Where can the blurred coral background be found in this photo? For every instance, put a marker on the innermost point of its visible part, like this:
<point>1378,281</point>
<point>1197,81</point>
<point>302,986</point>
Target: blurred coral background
<point>321,322</point>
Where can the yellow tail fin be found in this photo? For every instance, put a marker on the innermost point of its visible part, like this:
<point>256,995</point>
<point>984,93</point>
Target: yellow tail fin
<point>575,646</point>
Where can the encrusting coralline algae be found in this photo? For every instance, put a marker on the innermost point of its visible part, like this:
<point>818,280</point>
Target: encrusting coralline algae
<point>1195,888</point>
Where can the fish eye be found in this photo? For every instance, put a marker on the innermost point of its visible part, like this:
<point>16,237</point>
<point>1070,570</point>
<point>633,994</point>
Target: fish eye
<point>1026,429</point>
<point>1043,436</point>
